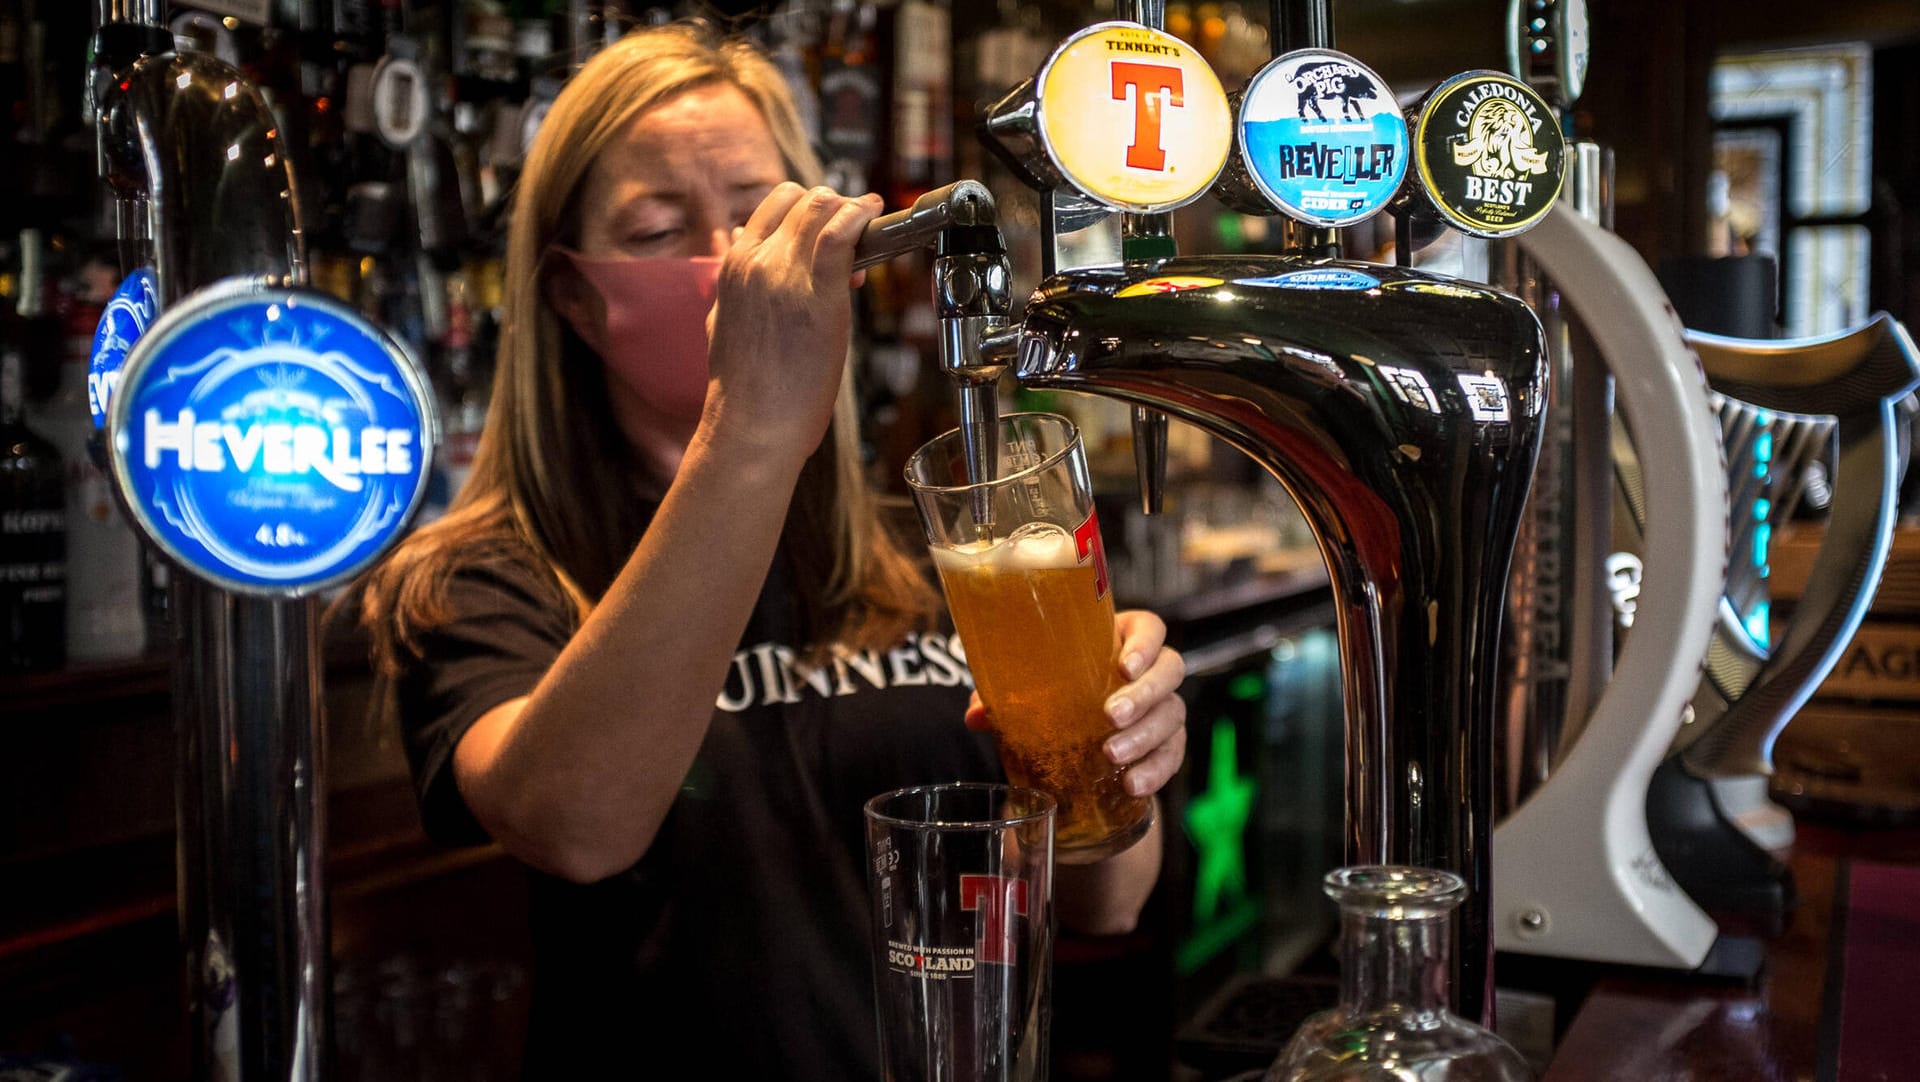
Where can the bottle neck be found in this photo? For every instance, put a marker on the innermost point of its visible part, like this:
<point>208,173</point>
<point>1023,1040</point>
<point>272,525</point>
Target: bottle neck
<point>28,302</point>
<point>1393,964</point>
<point>13,396</point>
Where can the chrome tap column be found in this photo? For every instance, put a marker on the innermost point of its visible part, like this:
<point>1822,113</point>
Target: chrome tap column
<point>192,152</point>
<point>1404,417</point>
<point>187,136</point>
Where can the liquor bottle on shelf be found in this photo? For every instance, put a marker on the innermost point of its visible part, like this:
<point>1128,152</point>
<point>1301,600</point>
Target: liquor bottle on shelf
<point>460,376</point>
<point>1011,49</point>
<point>483,51</point>
<point>920,147</point>
<point>18,122</point>
<point>33,498</point>
<point>105,620</point>
<point>793,37</point>
<point>850,97</point>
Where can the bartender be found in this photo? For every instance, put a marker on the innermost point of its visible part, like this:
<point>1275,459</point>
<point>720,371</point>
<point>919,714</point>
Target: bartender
<point>598,655</point>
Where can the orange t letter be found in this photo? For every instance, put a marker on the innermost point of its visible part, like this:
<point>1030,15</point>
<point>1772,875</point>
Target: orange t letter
<point>1147,81</point>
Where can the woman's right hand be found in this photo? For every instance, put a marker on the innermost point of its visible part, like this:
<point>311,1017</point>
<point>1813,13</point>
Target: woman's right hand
<point>783,317</point>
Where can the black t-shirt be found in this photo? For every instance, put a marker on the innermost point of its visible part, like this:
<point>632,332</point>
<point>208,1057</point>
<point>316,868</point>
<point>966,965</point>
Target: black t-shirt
<point>737,947</point>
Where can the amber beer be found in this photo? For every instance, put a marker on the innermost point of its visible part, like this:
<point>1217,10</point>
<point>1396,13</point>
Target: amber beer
<point>1039,637</point>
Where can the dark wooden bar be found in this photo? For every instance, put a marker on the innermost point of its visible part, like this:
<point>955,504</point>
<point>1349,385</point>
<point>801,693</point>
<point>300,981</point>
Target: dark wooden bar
<point>1650,1029</point>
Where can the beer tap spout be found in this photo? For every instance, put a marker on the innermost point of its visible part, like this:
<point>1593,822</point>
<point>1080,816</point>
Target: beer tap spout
<point>972,296</point>
<point>1402,413</point>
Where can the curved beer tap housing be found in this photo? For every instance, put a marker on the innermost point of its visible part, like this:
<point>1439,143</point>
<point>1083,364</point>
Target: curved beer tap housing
<point>1402,410</point>
<point>1404,418</point>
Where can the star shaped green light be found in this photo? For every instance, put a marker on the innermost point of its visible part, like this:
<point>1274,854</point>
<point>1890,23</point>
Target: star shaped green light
<point>1216,821</point>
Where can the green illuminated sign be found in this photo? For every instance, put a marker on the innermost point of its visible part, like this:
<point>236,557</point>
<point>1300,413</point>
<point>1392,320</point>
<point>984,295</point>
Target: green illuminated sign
<point>1216,822</point>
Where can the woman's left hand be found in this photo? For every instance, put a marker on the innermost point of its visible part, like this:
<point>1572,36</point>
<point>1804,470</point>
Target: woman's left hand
<point>1148,711</point>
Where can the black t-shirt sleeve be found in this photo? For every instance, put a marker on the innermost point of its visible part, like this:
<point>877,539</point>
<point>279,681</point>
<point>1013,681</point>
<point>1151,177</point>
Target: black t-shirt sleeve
<point>507,627</point>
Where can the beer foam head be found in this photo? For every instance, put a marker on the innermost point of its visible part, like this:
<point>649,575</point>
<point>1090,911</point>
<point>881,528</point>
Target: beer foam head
<point>1037,546</point>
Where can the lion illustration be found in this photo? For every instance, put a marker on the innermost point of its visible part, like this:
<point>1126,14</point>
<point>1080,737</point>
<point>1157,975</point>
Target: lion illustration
<point>1499,142</point>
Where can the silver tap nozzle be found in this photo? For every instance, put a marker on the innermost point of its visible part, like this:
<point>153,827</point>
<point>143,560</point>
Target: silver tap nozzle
<point>972,295</point>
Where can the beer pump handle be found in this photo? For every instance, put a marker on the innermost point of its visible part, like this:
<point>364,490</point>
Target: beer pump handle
<point>1863,378</point>
<point>962,204</point>
<point>1856,372</point>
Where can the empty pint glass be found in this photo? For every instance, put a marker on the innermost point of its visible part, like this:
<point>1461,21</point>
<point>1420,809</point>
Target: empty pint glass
<point>962,892</point>
<point>1028,593</point>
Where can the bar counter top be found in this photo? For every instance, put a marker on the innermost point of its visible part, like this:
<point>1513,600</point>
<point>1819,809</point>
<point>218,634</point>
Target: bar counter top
<point>1648,1028</point>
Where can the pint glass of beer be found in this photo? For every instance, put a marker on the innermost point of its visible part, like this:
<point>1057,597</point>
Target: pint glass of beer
<point>1028,594</point>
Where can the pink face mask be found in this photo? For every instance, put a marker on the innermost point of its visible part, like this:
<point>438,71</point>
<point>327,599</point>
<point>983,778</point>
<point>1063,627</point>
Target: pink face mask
<point>654,339</point>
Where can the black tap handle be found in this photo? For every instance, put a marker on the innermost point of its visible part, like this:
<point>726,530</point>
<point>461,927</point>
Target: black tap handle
<point>1863,377</point>
<point>1301,24</point>
<point>1842,374</point>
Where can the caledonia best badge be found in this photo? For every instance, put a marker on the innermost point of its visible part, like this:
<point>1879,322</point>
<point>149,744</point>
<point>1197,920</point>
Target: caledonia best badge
<point>1490,154</point>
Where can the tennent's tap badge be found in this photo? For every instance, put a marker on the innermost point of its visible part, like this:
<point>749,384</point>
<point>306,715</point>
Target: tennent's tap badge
<point>270,440</point>
<point>129,313</point>
<point>1133,117</point>
<point>1490,154</point>
<point>1322,138</point>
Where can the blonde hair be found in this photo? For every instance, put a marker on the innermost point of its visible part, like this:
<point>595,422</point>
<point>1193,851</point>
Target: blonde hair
<point>551,472</point>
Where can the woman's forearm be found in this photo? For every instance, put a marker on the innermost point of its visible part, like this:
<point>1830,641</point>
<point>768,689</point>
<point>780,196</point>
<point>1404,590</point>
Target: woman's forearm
<point>577,779</point>
<point>1106,898</point>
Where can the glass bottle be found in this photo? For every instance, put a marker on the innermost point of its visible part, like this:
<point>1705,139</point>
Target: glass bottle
<point>106,614</point>
<point>33,496</point>
<point>1392,1023</point>
<point>850,97</point>
<point>920,140</point>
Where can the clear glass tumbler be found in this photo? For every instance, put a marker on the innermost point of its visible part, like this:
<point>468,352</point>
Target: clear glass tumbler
<point>1028,593</point>
<point>1392,1023</point>
<point>961,879</point>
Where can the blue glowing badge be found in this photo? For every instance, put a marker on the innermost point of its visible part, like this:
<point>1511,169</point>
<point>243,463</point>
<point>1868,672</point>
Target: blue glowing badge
<point>1315,278</point>
<point>128,315</point>
<point>270,440</point>
<point>1322,137</point>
